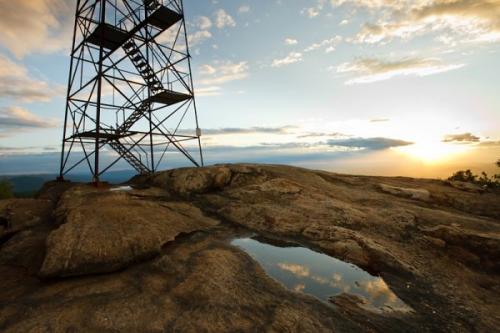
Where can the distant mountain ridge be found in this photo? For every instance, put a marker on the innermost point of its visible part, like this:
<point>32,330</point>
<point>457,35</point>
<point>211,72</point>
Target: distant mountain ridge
<point>27,185</point>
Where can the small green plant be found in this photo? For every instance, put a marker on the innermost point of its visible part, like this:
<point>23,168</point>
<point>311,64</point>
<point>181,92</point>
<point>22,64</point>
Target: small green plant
<point>6,190</point>
<point>482,180</point>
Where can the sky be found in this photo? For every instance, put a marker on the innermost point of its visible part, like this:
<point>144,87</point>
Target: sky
<point>378,87</point>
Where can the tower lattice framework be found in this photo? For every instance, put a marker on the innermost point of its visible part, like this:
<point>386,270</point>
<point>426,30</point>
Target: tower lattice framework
<point>130,90</point>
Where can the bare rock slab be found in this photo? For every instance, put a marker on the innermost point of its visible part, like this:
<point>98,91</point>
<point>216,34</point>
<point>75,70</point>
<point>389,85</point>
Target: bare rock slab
<point>412,193</point>
<point>105,231</point>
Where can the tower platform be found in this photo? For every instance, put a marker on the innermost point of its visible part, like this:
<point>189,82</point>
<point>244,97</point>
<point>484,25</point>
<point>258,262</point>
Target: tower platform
<point>169,97</point>
<point>113,37</point>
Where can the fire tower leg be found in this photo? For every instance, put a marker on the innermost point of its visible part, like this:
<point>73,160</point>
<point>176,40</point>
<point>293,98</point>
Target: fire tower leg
<point>65,127</point>
<point>99,94</point>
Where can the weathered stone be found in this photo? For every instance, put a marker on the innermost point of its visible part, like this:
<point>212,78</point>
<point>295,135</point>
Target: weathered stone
<point>21,214</point>
<point>412,193</point>
<point>436,242</point>
<point>280,186</point>
<point>108,230</point>
<point>25,249</point>
<point>350,251</point>
<point>187,182</point>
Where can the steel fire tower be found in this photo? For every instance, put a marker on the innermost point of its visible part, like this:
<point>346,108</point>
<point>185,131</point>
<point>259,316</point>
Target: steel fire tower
<point>130,90</point>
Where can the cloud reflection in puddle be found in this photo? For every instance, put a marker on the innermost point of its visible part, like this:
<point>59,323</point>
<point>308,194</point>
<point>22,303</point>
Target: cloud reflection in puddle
<point>322,276</point>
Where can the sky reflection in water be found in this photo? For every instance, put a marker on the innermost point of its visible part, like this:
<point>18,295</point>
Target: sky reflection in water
<point>322,276</point>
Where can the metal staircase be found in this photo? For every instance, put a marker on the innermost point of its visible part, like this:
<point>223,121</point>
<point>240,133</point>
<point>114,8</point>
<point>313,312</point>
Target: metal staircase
<point>142,66</point>
<point>125,153</point>
<point>134,117</point>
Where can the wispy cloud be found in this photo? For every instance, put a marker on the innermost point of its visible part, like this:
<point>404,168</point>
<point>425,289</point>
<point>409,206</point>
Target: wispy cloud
<point>41,26</point>
<point>462,138</point>
<point>208,91</point>
<point>220,72</point>
<point>17,83</point>
<point>214,75</point>
<point>16,118</point>
<point>369,143</point>
<point>244,9</point>
<point>321,135</point>
<point>199,37</point>
<point>328,44</point>
<point>26,150</point>
<point>291,58</point>
<point>456,21</point>
<point>203,22</point>
<point>315,10</point>
<point>379,120</point>
<point>295,269</point>
<point>371,70</point>
<point>223,19</point>
<point>250,130</point>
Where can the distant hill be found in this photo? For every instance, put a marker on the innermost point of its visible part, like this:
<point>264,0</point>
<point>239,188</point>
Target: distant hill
<point>28,185</point>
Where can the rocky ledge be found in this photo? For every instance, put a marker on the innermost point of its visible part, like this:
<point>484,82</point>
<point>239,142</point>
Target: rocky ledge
<point>157,257</point>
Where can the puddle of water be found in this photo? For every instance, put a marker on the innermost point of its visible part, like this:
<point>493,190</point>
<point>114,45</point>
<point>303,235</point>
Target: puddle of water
<point>322,276</point>
<point>121,189</point>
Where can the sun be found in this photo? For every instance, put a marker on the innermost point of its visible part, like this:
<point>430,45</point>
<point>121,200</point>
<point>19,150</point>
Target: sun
<point>434,151</point>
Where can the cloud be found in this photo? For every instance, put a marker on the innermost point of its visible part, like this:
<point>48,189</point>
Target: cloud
<point>199,37</point>
<point>315,10</point>
<point>457,21</point>
<point>244,9</point>
<point>463,138</point>
<point>328,44</point>
<point>208,91</point>
<point>26,150</point>
<point>373,4</point>
<point>490,143</point>
<point>379,120</point>
<point>295,269</point>
<point>41,26</point>
<point>17,83</point>
<point>213,75</point>
<point>223,19</point>
<point>291,58</point>
<point>221,72</point>
<point>249,130</point>
<point>369,143</point>
<point>299,287</point>
<point>203,23</point>
<point>291,41</point>
<point>312,12</point>
<point>371,70</point>
<point>15,118</point>
<point>320,134</point>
